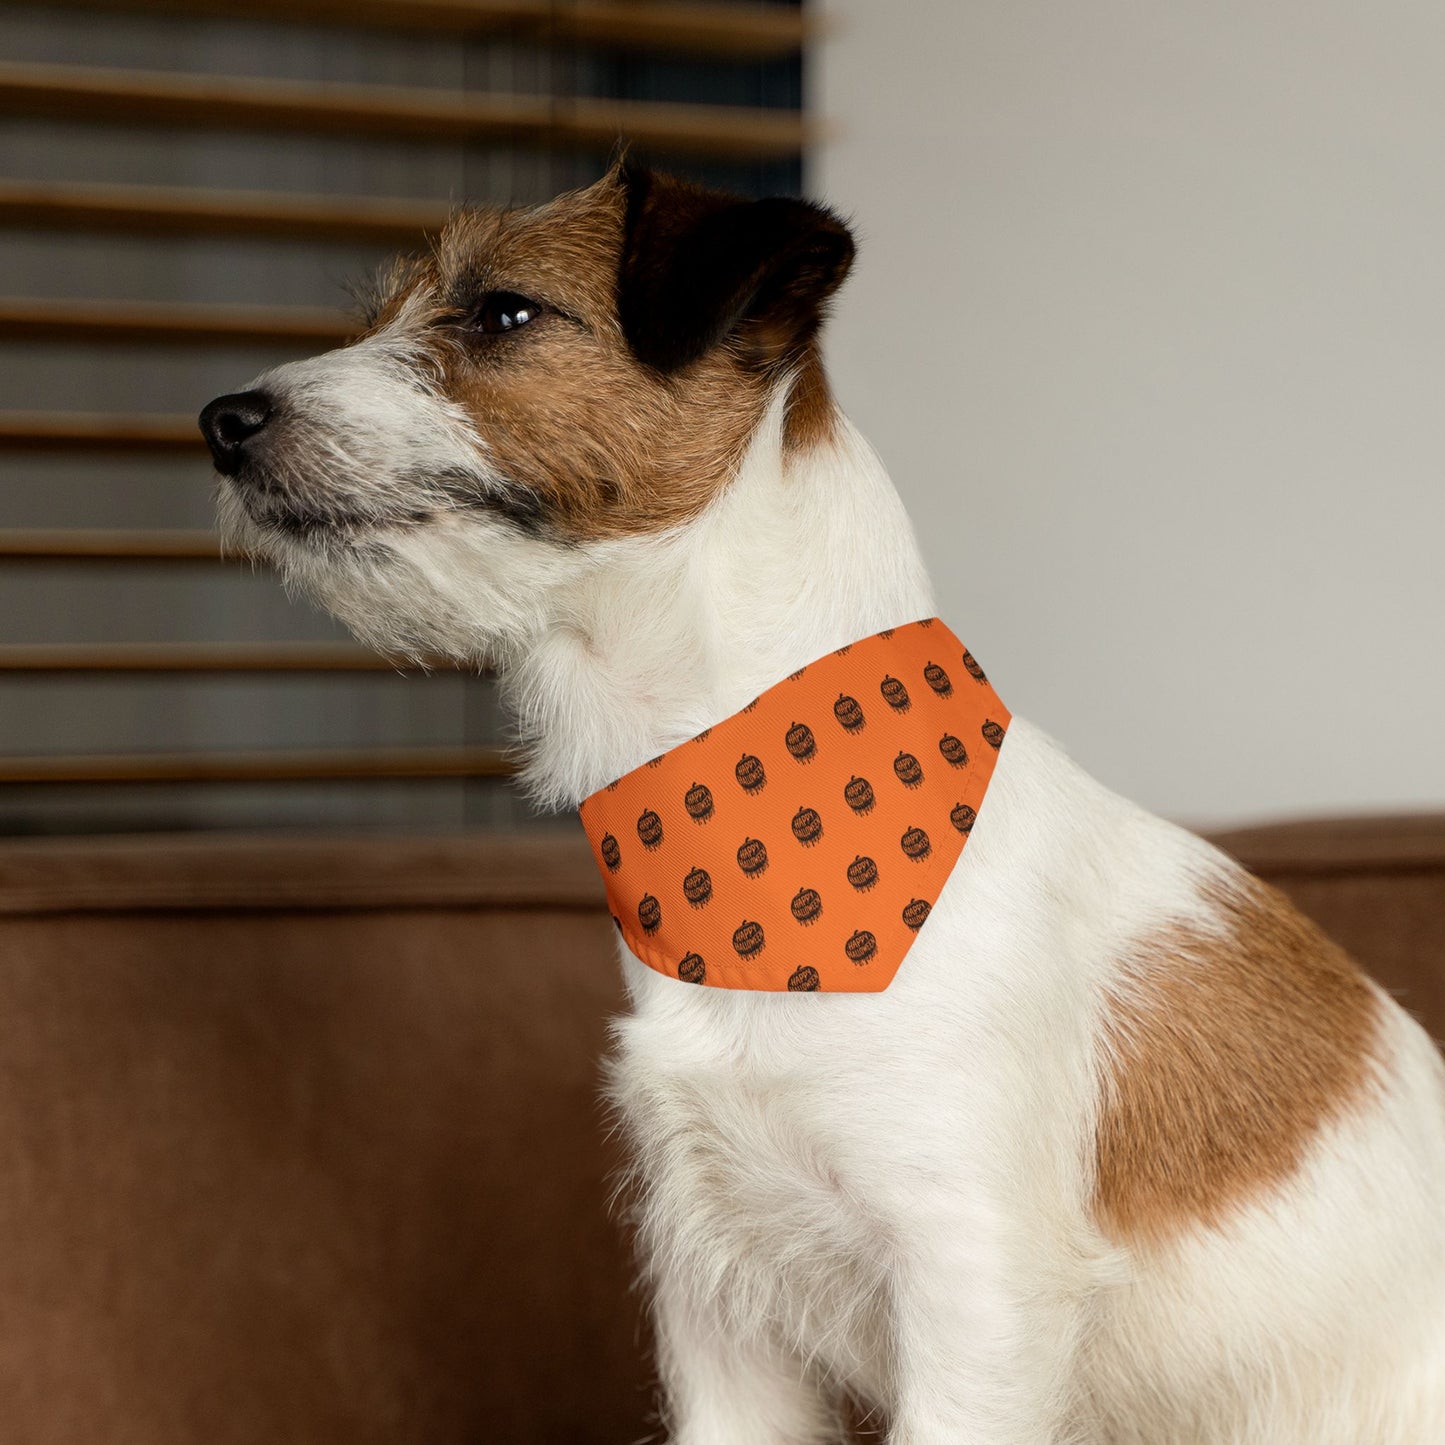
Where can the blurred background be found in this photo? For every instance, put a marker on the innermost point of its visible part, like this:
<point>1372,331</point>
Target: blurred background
<point>1147,323</point>
<point>301,1008</point>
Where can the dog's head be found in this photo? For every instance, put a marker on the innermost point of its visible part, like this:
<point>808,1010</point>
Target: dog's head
<point>543,383</point>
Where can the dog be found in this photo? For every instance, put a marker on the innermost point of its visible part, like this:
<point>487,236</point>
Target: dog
<point>1127,1153</point>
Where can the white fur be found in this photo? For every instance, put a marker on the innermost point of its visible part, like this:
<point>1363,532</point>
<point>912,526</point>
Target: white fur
<point>890,1193</point>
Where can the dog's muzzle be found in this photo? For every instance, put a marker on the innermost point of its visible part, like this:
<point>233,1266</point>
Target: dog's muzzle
<point>232,422</point>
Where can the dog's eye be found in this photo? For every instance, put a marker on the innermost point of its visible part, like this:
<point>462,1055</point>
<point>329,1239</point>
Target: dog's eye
<point>504,311</point>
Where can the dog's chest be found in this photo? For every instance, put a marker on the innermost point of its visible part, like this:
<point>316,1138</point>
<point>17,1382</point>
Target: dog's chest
<point>750,1182</point>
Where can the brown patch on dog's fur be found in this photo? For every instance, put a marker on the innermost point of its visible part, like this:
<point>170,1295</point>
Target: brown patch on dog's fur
<point>1227,1053</point>
<point>606,445</point>
<point>811,416</point>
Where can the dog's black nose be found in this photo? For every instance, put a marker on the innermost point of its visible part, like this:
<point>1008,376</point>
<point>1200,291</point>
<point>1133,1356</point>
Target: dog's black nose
<point>229,422</point>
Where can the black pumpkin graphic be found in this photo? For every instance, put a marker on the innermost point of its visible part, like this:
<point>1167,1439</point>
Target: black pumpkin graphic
<point>916,912</point>
<point>807,905</point>
<point>895,694</point>
<point>753,857</point>
<point>703,735</point>
<point>937,679</point>
<point>962,817</point>
<point>649,829</point>
<point>973,669</point>
<point>753,703</point>
<point>807,826</point>
<point>953,750</point>
<point>655,762</point>
<point>858,794</point>
<point>748,939</point>
<point>797,676</point>
<point>862,873</point>
<point>909,770</point>
<point>861,946</point>
<point>843,651</point>
<point>750,774</point>
<point>698,802</point>
<point>926,621</point>
<point>993,734</point>
<point>848,713</point>
<point>692,969</point>
<point>649,913</point>
<point>915,844</point>
<point>803,980</point>
<point>611,853</point>
<point>801,742</point>
<point>697,887</point>
<point>886,633</point>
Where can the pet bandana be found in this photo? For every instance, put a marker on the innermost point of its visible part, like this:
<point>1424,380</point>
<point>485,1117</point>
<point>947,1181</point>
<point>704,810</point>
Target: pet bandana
<point>800,844</point>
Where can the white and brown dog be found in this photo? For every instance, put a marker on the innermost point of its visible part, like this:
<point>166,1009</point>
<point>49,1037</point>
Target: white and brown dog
<point>1128,1152</point>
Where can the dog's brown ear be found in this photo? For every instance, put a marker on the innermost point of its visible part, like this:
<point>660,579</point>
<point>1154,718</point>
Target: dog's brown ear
<point>699,266</point>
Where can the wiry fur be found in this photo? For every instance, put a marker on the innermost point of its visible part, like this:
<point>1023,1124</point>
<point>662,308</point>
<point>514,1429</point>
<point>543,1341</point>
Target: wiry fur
<point>895,1195</point>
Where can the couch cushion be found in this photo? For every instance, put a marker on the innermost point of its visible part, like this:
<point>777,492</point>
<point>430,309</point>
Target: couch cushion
<point>302,1143</point>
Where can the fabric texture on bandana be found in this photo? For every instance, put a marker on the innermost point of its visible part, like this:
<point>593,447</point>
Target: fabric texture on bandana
<point>800,844</point>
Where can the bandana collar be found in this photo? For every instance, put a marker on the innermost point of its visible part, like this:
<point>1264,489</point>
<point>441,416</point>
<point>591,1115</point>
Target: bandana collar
<point>800,844</point>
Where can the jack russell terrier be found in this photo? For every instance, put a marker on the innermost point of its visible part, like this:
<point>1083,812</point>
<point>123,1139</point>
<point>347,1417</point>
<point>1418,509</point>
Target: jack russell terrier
<point>1079,1134</point>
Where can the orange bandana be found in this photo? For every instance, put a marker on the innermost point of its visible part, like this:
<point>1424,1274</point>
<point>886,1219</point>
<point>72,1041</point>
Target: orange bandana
<point>800,844</point>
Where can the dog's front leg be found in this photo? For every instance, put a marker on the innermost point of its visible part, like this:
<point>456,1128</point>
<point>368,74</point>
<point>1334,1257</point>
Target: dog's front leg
<point>722,1386</point>
<point>985,1338</point>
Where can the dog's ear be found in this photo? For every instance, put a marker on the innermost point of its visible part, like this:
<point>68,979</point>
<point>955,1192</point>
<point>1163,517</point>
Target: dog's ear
<point>700,266</point>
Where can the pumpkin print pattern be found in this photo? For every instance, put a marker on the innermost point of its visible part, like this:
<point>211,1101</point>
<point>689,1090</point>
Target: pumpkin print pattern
<point>807,826</point>
<point>750,775</point>
<point>699,802</point>
<point>863,873</point>
<point>906,766</point>
<point>801,742</point>
<point>822,888</point>
<point>953,750</point>
<point>806,905</point>
<point>916,913</point>
<point>848,713</point>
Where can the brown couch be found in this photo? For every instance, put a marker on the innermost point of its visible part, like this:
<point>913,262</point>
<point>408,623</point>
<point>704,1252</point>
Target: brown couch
<point>302,1141</point>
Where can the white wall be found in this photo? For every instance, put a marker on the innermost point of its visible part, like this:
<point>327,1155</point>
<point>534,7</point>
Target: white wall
<point>1149,324</point>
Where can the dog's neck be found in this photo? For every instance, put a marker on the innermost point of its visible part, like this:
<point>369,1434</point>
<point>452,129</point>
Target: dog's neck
<point>803,552</point>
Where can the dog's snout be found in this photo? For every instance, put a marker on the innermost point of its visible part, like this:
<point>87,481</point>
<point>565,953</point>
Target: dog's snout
<point>229,422</point>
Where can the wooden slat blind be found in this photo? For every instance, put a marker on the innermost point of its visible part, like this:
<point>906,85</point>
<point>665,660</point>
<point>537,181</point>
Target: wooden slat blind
<point>222,102</point>
<point>171,211</point>
<point>172,324</point>
<point>83,431</point>
<point>724,30</point>
<point>83,544</point>
<point>543,125</point>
